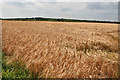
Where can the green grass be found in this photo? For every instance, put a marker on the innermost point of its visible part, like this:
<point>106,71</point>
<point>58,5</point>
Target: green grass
<point>14,69</point>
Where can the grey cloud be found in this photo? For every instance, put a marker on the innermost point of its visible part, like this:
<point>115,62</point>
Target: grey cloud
<point>65,9</point>
<point>103,5</point>
<point>18,4</point>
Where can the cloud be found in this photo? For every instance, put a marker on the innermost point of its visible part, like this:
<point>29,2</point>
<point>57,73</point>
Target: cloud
<point>17,4</point>
<point>102,6</point>
<point>76,10</point>
<point>65,9</point>
<point>59,0</point>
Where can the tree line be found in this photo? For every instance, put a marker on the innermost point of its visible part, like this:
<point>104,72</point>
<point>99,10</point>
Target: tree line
<point>54,19</point>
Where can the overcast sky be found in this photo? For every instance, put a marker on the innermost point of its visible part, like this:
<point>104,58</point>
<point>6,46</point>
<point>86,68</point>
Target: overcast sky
<point>76,10</point>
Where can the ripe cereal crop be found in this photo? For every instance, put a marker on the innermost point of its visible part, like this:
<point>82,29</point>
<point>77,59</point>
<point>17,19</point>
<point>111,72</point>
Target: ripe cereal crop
<point>63,49</point>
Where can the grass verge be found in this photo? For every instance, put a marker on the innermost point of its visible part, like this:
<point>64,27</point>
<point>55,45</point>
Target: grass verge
<point>14,69</point>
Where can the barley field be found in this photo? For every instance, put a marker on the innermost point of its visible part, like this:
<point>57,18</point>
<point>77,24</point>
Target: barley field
<point>63,49</point>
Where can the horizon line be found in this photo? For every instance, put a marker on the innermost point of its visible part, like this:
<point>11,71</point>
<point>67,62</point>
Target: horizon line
<point>57,18</point>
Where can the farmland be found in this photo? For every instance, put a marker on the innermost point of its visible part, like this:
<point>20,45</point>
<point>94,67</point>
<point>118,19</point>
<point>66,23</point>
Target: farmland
<point>63,49</point>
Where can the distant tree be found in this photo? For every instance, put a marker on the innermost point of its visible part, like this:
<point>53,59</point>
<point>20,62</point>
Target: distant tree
<point>62,19</point>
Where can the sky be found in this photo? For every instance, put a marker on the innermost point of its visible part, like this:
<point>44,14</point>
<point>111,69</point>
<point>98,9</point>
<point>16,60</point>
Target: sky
<point>72,10</point>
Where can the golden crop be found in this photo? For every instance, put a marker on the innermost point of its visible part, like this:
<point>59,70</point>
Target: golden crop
<point>63,49</point>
